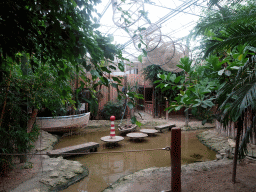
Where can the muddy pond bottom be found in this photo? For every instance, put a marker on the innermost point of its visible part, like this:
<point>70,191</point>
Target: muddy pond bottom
<point>105,169</point>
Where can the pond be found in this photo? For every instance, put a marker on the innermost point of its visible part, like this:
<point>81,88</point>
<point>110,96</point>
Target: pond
<point>105,169</point>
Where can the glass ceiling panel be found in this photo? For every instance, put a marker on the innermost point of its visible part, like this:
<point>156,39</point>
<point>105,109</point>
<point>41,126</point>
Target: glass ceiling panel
<point>174,18</point>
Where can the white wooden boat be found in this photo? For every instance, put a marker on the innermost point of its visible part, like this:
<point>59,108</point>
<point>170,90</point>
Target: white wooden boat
<point>127,128</point>
<point>63,123</point>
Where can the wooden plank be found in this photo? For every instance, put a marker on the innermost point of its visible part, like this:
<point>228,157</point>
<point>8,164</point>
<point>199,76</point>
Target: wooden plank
<point>165,126</point>
<point>91,146</point>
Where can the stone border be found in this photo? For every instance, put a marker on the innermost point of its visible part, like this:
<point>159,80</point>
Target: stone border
<point>77,178</point>
<point>217,143</point>
<point>57,173</point>
<point>196,128</point>
<point>139,176</point>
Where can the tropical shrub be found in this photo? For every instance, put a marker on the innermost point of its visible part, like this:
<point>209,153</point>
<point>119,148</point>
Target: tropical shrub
<point>112,108</point>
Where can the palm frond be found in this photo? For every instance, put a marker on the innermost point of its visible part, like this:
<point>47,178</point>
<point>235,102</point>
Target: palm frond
<point>215,2</point>
<point>222,21</point>
<point>236,96</point>
<point>228,28</point>
<point>242,151</point>
<point>250,64</point>
<point>233,40</point>
<point>241,99</point>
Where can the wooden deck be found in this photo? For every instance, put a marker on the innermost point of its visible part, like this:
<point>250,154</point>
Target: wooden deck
<point>165,126</point>
<point>86,147</point>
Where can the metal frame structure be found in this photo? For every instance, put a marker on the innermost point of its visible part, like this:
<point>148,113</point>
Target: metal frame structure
<point>172,18</point>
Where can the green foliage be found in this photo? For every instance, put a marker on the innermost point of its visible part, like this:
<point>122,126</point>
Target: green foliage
<point>203,114</point>
<point>47,46</point>
<point>185,64</point>
<point>228,27</point>
<point>235,96</point>
<point>112,108</point>
<point>155,74</point>
<point>228,35</point>
<point>195,90</point>
<point>151,72</point>
<point>13,130</point>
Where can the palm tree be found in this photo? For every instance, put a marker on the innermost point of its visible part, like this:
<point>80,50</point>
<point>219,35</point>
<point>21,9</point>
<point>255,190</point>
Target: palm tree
<point>228,27</point>
<point>222,31</point>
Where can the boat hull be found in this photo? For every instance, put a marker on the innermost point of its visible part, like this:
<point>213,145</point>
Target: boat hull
<point>63,123</point>
<point>124,130</point>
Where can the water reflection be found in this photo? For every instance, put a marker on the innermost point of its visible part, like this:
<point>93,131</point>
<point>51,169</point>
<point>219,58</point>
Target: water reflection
<point>105,169</point>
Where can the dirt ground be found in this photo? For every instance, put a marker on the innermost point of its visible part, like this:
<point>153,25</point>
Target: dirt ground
<point>217,179</point>
<point>220,179</point>
<point>201,177</point>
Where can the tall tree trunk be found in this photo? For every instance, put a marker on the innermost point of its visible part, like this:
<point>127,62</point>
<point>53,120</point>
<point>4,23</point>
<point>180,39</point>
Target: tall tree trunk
<point>32,120</point>
<point>239,128</point>
<point>5,100</point>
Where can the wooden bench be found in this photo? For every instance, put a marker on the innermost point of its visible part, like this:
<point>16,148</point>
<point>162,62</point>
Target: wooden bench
<point>165,126</point>
<point>86,147</point>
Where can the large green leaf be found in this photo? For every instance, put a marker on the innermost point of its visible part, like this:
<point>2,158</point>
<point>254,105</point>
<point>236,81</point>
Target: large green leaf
<point>130,105</point>
<point>121,66</point>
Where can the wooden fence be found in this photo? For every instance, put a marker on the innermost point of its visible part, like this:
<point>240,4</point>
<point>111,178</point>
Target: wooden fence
<point>230,130</point>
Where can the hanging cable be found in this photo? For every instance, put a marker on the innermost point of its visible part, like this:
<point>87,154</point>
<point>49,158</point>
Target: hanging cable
<point>168,148</point>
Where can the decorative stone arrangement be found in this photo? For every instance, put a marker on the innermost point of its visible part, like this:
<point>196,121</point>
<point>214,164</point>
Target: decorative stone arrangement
<point>46,141</point>
<point>217,143</point>
<point>60,173</point>
<point>56,173</point>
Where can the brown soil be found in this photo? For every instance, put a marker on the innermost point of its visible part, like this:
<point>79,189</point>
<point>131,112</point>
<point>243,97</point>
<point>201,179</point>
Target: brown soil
<point>218,179</point>
<point>21,172</point>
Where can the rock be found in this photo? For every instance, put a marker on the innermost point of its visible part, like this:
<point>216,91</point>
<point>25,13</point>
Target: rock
<point>218,156</point>
<point>232,143</point>
<point>64,165</point>
<point>69,175</point>
<point>45,156</point>
<point>223,154</point>
<point>78,170</point>
<point>54,174</point>
<point>221,151</point>
<point>61,181</point>
<point>47,181</point>
<point>47,143</point>
<point>35,190</point>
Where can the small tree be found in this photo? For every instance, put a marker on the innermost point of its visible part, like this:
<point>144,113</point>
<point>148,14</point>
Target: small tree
<point>194,90</point>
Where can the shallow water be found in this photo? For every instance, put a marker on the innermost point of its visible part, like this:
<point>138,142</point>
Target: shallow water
<point>105,169</point>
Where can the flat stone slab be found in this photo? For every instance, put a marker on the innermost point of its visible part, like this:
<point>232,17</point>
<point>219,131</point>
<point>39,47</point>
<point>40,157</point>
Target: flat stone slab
<point>136,135</point>
<point>112,139</point>
<point>149,131</point>
<point>165,126</point>
<point>90,146</point>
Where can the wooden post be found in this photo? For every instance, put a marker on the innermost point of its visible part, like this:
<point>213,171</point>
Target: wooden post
<point>153,101</point>
<point>166,106</point>
<point>144,95</point>
<point>176,159</point>
<point>128,116</point>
